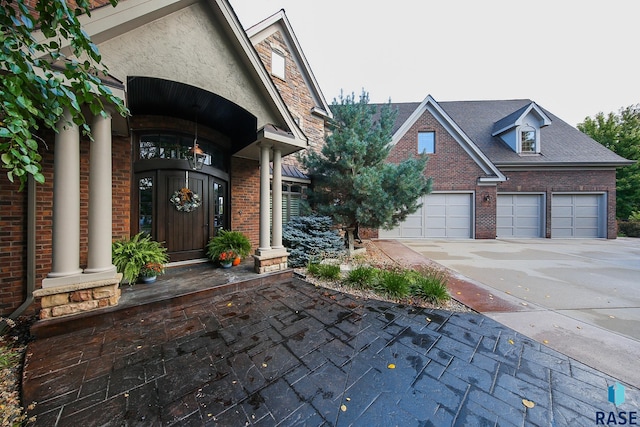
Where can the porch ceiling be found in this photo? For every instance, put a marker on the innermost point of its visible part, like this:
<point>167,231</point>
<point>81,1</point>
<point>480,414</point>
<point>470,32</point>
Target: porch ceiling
<point>154,96</point>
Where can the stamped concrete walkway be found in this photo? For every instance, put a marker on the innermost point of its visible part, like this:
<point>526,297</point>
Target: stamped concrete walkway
<point>288,353</point>
<point>578,296</point>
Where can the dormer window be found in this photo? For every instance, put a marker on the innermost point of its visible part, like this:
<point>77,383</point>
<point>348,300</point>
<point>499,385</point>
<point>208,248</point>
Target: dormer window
<point>520,130</point>
<point>528,141</point>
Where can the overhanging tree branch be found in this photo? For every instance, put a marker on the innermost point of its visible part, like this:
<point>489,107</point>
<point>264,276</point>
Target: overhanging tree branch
<point>48,64</point>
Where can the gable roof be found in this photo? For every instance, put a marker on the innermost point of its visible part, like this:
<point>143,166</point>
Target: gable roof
<point>493,174</point>
<point>109,23</point>
<point>561,143</point>
<point>279,21</point>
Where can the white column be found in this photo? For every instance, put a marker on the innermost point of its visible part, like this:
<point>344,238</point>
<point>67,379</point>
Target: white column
<point>66,200</point>
<point>265,241</point>
<point>100,198</point>
<point>276,196</point>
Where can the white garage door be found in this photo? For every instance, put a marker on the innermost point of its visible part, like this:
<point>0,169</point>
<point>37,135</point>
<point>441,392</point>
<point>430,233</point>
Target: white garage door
<point>578,215</point>
<point>519,215</point>
<point>442,215</point>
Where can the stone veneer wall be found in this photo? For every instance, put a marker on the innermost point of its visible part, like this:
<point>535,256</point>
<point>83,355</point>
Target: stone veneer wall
<point>73,299</point>
<point>295,93</point>
<point>269,265</point>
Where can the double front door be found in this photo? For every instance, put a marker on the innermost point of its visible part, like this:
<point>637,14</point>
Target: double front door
<point>184,228</point>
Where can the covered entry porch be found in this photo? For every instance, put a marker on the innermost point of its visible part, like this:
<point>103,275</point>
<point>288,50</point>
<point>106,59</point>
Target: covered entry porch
<point>244,155</point>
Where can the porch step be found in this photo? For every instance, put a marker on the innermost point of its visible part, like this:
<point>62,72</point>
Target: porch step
<point>108,316</point>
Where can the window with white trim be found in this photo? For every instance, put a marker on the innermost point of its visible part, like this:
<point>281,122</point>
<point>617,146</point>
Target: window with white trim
<point>528,141</point>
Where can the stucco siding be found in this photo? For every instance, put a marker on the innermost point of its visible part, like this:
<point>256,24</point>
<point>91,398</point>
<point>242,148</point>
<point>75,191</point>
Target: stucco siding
<point>188,46</point>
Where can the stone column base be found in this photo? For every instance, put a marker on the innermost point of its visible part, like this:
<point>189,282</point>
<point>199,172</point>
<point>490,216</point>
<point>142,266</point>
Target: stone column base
<point>271,260</point>
<point>78,298</point>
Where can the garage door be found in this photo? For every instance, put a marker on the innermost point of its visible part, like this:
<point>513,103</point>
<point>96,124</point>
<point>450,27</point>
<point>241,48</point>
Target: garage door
<point>578,215</point>
<point>442,215</point>
<point>520,215</point>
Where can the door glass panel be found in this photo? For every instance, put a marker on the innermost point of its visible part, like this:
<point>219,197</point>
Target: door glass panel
<point>145,207</point>
<point>218,212</point>
<point>171,146</point>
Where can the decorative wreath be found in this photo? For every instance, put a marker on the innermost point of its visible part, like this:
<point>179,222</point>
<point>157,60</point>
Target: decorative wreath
<point>185,200</point>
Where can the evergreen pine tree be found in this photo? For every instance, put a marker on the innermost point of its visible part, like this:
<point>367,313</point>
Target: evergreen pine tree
<point>353,182</point>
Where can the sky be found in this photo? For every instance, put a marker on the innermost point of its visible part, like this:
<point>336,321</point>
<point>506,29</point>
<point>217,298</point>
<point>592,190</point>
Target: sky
<point>575,58</point>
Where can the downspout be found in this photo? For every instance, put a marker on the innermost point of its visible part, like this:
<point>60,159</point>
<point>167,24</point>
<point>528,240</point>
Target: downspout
<point>31,252</point>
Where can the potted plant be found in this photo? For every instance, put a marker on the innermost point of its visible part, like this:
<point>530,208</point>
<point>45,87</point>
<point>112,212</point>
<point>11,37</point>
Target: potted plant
<point>227,259</point>
<point>228,244</point>
<point>140,253</point>
<point>150,271</point>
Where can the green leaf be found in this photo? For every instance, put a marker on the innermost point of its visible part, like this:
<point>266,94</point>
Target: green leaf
<point>32,144</point>
<point>38,177</point>
<point>32,169</point>
<point>28,23</point>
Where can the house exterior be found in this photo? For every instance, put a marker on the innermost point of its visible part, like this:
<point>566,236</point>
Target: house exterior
<point>189,74</point>
<point>505,169</point>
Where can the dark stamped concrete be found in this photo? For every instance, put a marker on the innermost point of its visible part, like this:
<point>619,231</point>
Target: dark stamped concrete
<point>287,353</point>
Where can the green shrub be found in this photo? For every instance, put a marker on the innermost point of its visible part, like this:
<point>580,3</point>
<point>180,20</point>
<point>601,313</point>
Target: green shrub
<point>629,228</point>
<point>131,255</point>
<point>635,216</point>
<point>431,286</point>
<point>313,269</point>
<point>395,284</point>
<point>227,241</point>
<point>428,284</point>
<point>324,271</point>
<point>311,239</point>
<point>363,277</point>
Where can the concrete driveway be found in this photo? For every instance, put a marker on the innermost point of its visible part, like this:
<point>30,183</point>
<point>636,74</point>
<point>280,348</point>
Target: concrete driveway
<point>580,297</point>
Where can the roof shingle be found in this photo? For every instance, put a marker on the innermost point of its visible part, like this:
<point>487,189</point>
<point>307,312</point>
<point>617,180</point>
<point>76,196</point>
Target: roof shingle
<point>560,143</point>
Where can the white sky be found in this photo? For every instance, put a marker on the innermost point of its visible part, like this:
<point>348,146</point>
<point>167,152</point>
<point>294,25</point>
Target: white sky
<point>573,57</point>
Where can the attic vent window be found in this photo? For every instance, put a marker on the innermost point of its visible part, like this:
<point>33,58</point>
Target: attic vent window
<point>528,141</point>
<point>277,64</point>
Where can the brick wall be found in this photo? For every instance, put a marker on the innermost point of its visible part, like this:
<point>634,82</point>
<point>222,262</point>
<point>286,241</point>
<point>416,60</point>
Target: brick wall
<point>121,188</point>
<point>295,93</point>
<point>13,209</point>
<point>485,214</point>
<point>451,169</point>
<point>245,198</point>
<point>13,226</point>
<point>548,182</point>
<point>450,166</point>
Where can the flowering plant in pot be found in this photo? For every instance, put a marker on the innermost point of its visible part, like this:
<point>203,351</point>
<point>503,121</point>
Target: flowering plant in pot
<point>233,244</point>
<point>227,258</point>
<point>150,271</point>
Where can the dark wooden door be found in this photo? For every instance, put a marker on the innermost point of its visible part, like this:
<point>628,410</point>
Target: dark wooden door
<point>185,233</point>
